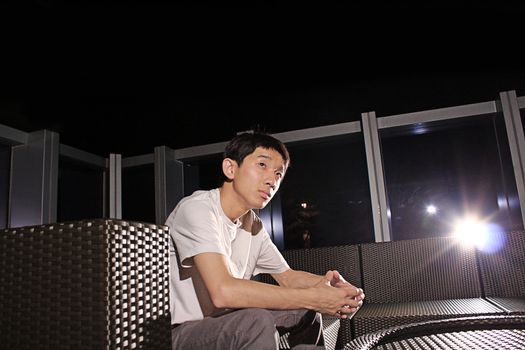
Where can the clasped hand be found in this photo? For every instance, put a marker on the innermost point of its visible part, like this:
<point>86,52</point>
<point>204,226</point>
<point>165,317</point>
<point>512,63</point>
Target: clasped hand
<point>352,301</point>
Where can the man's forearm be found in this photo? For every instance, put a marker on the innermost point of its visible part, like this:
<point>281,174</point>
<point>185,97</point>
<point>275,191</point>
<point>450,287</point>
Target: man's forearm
<point>298,279</point>
<point>239,293</point>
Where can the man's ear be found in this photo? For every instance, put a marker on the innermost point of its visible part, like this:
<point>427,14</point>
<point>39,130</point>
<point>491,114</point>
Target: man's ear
<point>228,167</point>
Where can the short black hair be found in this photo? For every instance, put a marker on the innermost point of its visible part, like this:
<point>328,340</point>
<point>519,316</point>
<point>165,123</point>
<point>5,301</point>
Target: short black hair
<point>245,144</point>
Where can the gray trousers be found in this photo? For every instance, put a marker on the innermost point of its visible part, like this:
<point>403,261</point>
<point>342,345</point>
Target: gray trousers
<point>252,328</point>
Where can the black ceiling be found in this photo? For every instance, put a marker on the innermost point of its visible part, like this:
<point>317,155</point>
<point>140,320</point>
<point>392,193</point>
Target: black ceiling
<point>126,76</point>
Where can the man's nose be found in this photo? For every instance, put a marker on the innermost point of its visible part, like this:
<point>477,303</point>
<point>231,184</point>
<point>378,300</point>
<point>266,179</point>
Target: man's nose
<point>272,181</point>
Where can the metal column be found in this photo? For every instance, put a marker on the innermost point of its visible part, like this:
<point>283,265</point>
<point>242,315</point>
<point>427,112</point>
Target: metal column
<point>511,113</point>
<point>115,186</point>
<point>34,179</point>
<point>169,183</point>
<point>376,177</point>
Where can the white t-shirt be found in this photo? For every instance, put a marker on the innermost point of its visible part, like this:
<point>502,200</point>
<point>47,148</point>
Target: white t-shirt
<point>198,225</point>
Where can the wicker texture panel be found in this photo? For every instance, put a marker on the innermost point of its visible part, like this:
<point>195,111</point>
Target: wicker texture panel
<point>92,284</point>
<point>330,331</point>
<point>264,277</point>
<point>344,259</point>
<point>503,271</point>
<point>477,332</point>
<point>345,333</point>
<point>499,339</point>
<point>374,317</point>
<point>419,269</point>
<point>511,305</point>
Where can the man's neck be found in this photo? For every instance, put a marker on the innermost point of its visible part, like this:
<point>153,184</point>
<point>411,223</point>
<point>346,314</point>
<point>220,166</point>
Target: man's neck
<point>230,204</point>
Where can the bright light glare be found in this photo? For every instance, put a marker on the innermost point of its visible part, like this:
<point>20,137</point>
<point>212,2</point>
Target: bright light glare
<point>470,231</point>
<point>485,237</point>
<point>496,239</point>
<point>431,209</point>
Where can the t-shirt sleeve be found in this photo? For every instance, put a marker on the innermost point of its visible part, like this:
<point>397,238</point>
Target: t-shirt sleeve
<point>270,259</point>
<point>195,230</point>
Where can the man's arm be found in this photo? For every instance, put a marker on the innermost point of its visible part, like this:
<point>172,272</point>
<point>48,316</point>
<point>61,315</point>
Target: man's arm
<point>228,292</point>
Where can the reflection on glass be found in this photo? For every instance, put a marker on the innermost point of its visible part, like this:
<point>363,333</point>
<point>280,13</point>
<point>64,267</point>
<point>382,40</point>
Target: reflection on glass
<point>325,194</point>
<point>442,172</point>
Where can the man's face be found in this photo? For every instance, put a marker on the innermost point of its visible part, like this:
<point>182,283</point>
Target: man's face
<point>259,177</point>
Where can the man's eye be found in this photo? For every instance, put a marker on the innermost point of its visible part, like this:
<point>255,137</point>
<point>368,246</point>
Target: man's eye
<point>262,165</point>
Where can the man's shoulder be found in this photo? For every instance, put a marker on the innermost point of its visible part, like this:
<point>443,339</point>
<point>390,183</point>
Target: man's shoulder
<point>198,201</point>
<point>199,196</point>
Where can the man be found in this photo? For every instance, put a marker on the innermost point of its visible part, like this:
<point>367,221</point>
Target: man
<point>219,243</point>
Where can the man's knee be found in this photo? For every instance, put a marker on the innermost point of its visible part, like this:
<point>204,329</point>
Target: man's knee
<point>258,328</point>
<point>258,320</point>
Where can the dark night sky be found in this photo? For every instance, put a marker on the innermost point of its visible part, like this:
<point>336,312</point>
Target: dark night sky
<point>86,69</point>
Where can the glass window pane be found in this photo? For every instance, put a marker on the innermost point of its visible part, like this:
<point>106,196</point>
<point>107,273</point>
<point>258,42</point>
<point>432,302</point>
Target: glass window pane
<point>325,195</point>
<point>80,191</point>
<point>204,173</point>
<point>438,174</point>
<point>138,193</point>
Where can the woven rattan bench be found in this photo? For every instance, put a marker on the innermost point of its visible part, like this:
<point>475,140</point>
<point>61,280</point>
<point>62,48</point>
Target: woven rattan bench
<point>417,280</point>
<point>90,284</point>
<point>503,273</point>
<point>420,280</point>
<point>500,332</point>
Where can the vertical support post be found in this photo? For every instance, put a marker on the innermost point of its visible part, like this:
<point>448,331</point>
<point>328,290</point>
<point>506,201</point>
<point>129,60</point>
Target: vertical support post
<point>514,127</point>
<point>376,177</point>
<point>34,180</point>
<point>115,186</point>
<point>105,188</point>
<point>169,183</point>
<point>272,219</point>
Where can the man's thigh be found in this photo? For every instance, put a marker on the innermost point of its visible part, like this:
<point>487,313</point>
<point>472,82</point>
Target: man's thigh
<point>251,328</point>
<point>241,329</point>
